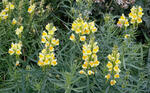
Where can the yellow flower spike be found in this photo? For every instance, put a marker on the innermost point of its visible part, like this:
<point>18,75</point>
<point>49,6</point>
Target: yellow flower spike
<point>116,75</point>
<point>108,76</point>
<point>82,38</point>
<point>113,65</point>
<point>14,21</point>
<point>112,82</point>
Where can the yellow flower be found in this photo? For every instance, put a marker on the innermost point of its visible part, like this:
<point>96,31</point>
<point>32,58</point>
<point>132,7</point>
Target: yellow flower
<point>17,63</point>
<point>126,36</point>
<point>14,21</point>
<point>88,52</point>
<point>134,16</point>
<point>51,48</point>
<point>95,49</point>
<point>107,76</point>
<point>78,31</point>
<point>11,6</point>
<point>116,76</point>
<point>140,9</point>
<point>122,18</point>
<point>40,63</point>
<point>126,24</point>
<point>110,57</point>
<point>44,34</point>
<point>43,40</point>
<point>94,29</point>
<point>90,72</point>
<point>19,30</point>
<point>84,66</point>
<point>81,72</point>
<point>41,56</point>
<point>72,37</point>
<point>91,64</point>
<point>116,68</point>
<point>112,82</point>
<point>132,21</point>
<point>54,63</point>
<point>82,38</point>
<point>117,61</point>
<point>11,51</point>
<point>18,52</point>
<point>119,23</point>
<point>109,65</point>
<point>139,20</point>
<point>96,63</point>
<point>140,14</point>
<point>130,15</point>
<point>31,8</point>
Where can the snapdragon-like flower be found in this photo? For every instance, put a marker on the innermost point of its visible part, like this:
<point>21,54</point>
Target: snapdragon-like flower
<point>31,8</point>
<point>4,12</point>
<point>14,21</point>
<point>82,28</point>
<point>89,49</point>
<point>47,55</point>
<point>15,48</point>
<point>136,14</point>
<point>123,21</point>
<point>90,58</point>
<point>19,30</point>
<point>113,66</point>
